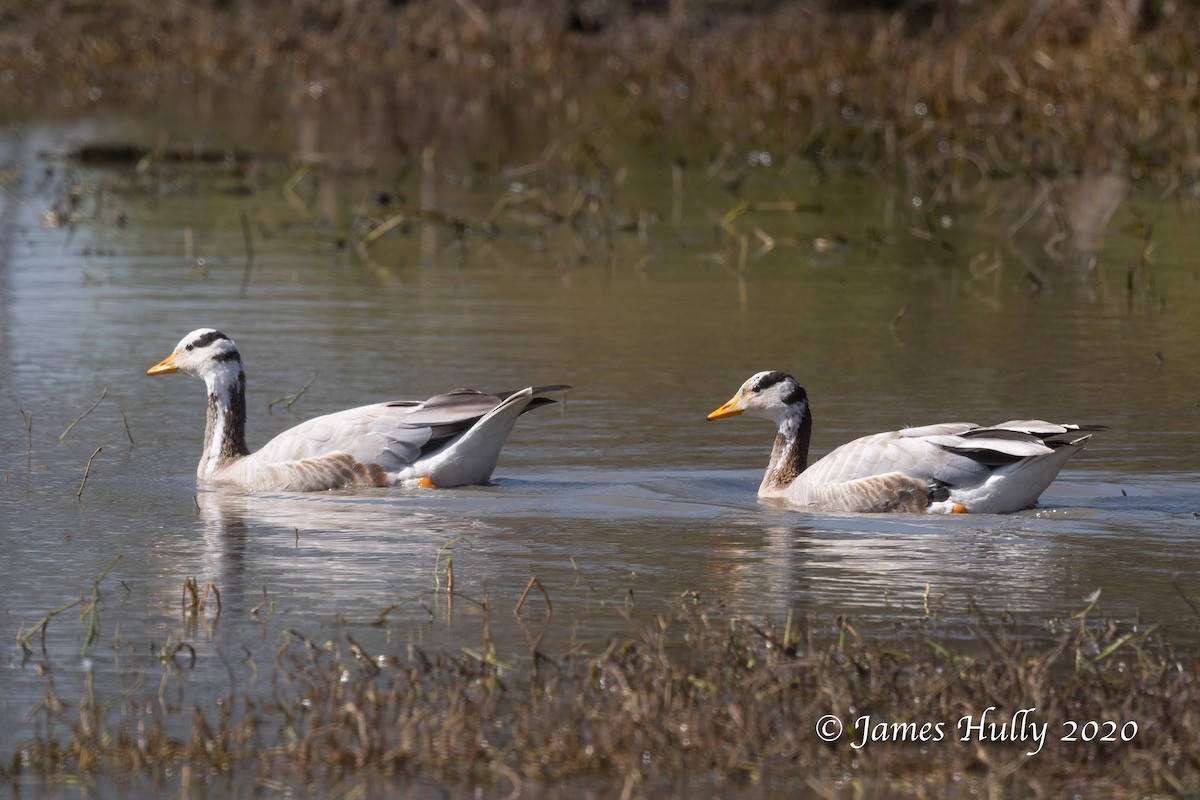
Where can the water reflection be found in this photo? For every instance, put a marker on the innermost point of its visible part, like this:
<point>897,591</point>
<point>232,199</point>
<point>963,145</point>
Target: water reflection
<point>357,549</point>
<point>899,568</point>
<point>1090,201</point>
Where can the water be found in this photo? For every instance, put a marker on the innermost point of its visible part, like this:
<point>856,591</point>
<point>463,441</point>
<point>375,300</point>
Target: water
<point>622,499</point>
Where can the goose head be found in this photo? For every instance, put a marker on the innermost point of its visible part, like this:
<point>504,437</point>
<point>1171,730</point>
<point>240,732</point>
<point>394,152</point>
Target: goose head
<point>774,395</point>
<point>205,353</point>
<point>778,397</point>
<point>213,357</point>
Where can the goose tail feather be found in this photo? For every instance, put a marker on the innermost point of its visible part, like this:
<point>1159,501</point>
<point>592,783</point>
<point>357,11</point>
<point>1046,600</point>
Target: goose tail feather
<point>471,457</point>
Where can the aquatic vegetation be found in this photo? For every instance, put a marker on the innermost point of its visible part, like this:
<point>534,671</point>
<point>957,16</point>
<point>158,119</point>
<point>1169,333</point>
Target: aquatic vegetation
<point>1067,106</point>
<point>693,695</point>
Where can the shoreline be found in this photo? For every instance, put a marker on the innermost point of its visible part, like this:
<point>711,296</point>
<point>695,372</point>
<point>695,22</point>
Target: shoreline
<point>1079,89</point>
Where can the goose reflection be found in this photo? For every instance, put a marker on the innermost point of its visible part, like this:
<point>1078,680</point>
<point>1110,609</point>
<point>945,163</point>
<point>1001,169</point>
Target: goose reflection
<point>888,571</point>
<point>319,553</point>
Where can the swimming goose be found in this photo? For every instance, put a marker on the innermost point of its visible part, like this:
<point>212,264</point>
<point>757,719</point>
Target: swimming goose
<point>448,440</point>
<point>954,467</point>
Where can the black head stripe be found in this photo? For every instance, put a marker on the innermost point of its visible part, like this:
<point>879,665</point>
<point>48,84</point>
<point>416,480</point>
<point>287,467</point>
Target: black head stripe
<point>205,339</point>
<point>768,380</point>
<point>228,355</point>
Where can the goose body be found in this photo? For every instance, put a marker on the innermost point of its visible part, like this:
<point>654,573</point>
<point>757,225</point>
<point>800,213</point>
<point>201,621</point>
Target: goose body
<point>451,439</point>
<point>949,467</point>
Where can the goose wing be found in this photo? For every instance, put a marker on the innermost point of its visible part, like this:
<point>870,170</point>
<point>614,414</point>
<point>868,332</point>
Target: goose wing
<point>953,453</point>
<point>368,434</point>
<point>1009,442</point>
<point>922,454</point>
<point>447,416</point>
<point>390,435</point>
<point>892,471</point>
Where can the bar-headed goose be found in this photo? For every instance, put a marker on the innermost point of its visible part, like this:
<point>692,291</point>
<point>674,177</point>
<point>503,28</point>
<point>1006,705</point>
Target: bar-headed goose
<point>952,467</point>
<point>448,440</point>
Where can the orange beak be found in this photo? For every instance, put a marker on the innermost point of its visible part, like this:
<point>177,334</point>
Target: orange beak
<point>164,367</point>
<point>730,409</point>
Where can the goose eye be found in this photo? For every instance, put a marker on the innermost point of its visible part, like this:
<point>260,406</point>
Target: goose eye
<point>190,347</point>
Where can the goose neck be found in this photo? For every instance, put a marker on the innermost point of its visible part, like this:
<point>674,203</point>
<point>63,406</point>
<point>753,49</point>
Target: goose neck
<point>225,430</point>
<point>789,456</point>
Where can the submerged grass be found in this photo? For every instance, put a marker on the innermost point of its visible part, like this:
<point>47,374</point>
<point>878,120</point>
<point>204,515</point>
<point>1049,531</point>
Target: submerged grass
<point>689,697</point>
<point>1038,117</point>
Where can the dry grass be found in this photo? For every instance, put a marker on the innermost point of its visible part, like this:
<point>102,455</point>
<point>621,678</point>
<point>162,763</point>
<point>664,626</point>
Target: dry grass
<point>689,696</point>
<point>948,91</point>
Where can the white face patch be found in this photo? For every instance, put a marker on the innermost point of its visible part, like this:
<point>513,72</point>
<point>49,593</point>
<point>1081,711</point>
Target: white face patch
<point>202,350</point>
<point>221,379</point>
<point>789,422</point>
<point>774,396</point>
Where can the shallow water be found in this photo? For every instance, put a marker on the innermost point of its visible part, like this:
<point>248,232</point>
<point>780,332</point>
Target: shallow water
<point>622,499</point>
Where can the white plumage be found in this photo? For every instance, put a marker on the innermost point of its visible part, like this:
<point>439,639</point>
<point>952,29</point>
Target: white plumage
<point>949,467</point>
<point>451,439</point>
